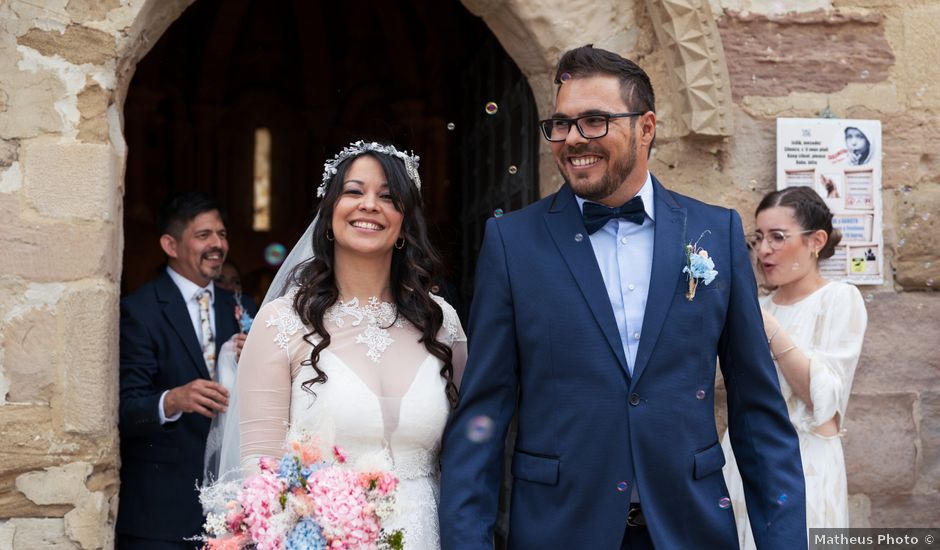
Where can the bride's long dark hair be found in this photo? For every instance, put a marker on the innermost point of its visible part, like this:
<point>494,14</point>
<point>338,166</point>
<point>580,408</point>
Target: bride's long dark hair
<point>414,269</point>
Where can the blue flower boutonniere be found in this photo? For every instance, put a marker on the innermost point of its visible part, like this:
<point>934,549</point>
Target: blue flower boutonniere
<point>241,316</point>
<point>699,266</point>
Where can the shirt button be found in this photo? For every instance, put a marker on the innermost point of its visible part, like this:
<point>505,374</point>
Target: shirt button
<point>623,240</point>
<point>634,399</point>
<point>631,286</point>
<point>636,335</point>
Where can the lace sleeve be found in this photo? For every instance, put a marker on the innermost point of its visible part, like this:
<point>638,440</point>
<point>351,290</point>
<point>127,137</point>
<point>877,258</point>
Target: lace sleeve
<point>452,334</point>
<point>264,382</point>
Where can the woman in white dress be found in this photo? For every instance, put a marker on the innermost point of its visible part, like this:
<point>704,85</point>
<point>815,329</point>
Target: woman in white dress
<point>815,330</point>
<point>358,352</point>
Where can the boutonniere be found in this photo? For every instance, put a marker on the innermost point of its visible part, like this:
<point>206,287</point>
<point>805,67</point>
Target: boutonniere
<point>698,266</point>
<point>241,316</point>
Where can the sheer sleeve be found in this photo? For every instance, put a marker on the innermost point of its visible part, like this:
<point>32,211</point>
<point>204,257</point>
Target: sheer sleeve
<point>452,334</point>
<point>837,345</point>
<point>264,383</point>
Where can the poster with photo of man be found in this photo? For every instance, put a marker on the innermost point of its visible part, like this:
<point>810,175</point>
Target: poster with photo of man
<point>841,160</point>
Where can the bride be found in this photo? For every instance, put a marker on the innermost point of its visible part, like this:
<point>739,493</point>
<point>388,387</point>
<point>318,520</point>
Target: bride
<point>358,351</point>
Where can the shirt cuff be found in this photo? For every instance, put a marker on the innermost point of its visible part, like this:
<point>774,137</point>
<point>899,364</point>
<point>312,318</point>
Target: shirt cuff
<point>163,418</point>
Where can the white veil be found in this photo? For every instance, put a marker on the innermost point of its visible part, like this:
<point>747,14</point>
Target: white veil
<point>223,457</point>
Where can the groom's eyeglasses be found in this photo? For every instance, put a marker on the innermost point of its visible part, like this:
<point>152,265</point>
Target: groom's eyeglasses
<point>776,239</point>
<point>589,126</point>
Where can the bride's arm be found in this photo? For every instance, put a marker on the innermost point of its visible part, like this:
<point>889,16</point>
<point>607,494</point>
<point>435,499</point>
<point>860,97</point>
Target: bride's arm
<point>264,379</point>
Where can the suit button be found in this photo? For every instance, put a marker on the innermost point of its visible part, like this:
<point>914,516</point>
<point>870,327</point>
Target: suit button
<point>634,399</point>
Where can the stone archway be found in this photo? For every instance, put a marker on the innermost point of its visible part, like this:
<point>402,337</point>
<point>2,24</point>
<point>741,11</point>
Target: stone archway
<point>66,69</point>
<point>688,68</point>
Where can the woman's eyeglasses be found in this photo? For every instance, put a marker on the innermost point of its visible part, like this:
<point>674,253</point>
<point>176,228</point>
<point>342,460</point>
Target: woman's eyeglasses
<point>776,239</point>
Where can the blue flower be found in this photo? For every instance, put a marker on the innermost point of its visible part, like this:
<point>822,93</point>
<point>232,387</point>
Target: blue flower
<point>289,471</point>
<point>701,267</point>
<point>245,322</point>
<point>306,535</point>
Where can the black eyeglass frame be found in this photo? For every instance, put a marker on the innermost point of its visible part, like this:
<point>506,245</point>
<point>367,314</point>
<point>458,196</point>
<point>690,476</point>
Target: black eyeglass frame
<point>576,121</point>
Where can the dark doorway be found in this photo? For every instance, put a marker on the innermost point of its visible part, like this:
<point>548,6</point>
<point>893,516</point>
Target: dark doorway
<point>315,76</point>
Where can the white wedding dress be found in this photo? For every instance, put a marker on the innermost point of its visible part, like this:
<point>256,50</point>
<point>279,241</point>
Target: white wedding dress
<point>384,398</point>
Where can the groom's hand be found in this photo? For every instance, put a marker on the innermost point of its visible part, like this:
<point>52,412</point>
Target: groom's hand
<point>239,341</point>
<point>200,396</point>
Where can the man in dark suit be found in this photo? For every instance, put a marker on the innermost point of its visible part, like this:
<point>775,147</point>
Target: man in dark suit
<point>171,332</point>
<point>585,324</point>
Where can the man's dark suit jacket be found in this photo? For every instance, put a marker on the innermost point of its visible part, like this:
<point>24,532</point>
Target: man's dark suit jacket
<point>161,465</point>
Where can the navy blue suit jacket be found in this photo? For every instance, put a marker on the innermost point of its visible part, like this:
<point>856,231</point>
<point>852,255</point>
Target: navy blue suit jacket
<point>161,465</point>
<point>543,339</point>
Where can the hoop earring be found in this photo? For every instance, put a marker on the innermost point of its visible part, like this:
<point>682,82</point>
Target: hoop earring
<point>400,243</point>
<point>329,235</point>
<point>816,253</point>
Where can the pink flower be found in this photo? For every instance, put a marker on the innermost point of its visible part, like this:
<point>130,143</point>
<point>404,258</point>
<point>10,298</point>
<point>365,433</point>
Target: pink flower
<point>384,483</point>
<point>229,543</point>
<point>342,509</point>
<point>260,499</point>
<point>307,450</point>
<point>339,454</point>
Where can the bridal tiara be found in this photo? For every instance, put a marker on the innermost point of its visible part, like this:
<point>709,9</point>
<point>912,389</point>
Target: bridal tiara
<point>357,148</point>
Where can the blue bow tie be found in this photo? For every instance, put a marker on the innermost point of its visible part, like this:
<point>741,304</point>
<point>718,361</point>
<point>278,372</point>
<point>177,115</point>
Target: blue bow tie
<point>597,215</point>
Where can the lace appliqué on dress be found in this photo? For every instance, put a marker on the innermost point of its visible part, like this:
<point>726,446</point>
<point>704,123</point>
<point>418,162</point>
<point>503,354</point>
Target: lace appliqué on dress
<point>379,316</point>
<point>451,321</point>
<point>287,323</point>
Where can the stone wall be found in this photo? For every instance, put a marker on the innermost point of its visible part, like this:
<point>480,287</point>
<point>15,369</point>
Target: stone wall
<point>64,66</point>
<point>64,69</point>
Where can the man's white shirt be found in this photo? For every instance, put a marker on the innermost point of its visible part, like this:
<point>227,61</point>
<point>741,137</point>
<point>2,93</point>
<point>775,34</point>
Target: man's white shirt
<point>189,290</point>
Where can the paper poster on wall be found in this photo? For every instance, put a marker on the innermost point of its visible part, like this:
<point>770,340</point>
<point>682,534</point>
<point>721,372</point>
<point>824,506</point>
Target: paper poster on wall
<point>841,160</point>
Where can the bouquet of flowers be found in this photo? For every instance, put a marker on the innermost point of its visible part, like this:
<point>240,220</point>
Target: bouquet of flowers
<point>302,501</point>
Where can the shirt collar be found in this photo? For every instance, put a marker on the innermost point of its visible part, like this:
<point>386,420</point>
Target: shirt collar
<point>646,192</point>
<point>188,288</point>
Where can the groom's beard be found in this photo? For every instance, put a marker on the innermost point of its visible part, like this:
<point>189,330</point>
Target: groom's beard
<point>612,179</point>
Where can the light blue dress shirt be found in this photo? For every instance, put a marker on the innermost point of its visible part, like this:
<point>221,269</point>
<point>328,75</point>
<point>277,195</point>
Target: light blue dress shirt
<point>624,252</point>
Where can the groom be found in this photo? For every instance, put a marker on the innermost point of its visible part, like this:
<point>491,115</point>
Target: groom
<point>584,325</point>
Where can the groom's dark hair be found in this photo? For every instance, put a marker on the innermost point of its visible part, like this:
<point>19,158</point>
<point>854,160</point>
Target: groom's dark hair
<point>586,61</point>
<point>181,208</point>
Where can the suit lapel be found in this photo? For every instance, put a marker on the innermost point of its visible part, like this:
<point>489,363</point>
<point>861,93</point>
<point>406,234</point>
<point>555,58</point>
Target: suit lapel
<point>564,222</point>
<point>224,318</point>
<point>668,260</point>
<point>177,316</point>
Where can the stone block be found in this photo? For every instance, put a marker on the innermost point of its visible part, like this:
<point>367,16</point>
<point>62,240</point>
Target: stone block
<point>87,523</point>
<point>780,54</point>
<point>47,533</point>
<point>9,152</point>
<point>899,353</point>
<point>32,442</point>
<point>7,530</point>
<point>917,258</point>
<point>90,10</point>
<point>905,510</point>
<point>88,324</point>
<point>880,3</point>
<point>880,444</point>
<point>93,106</point>
<point>70,180</point>
<point>29,98</point>
<point>29,361</point>
<point>928,467</point>
<point>56,485</point>
<point>859,511</point>
<point>920,56</point>
<point>76,45</point>
<point>27,247</point>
